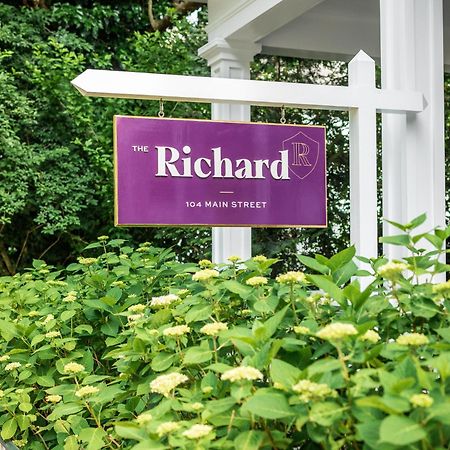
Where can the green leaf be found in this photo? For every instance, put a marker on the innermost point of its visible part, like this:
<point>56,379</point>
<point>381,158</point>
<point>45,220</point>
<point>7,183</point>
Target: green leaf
<point>269,405</point>
<point>108,394</point>
<point>131,431</point>
<point>343,275</point>
<point>445,333</point>
<point>329,287</point>
<point>249,440</point>
<point>37,339</point>
<point>83,329</point>
<point>325,413</point>
<point>65,409</point>
<point>284,373</point>
<point>93,437</point>
<point>66,315</point>
<point>8,330</point>
<point>435,240</point>
<point>416,222</point>
<point>149,445</point>
<point>197,355</point>
<point>198,313</point>
<point>237,288</point>
<point>313,264</point>
<point>162,361</point>
<point>220,406</point>
<point>111,326</point>
<point>391,405</point>
<point>401,430</point>
<point>342,258</point>
<point>399,239</point>
<point>425,308</point>
<point>71,443</point>
<point>325,365</point>
<point>396,225</point>
<point>9,428</point>
<point>219,367</point>
<point>440,412</point>
<point>266,330</point>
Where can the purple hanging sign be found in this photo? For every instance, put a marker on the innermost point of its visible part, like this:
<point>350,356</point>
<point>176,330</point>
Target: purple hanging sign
<point>199,172</point>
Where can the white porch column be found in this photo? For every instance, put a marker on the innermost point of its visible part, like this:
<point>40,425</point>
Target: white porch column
<point>413,144</point>
<point>363,161</point>
<point>230,59</point>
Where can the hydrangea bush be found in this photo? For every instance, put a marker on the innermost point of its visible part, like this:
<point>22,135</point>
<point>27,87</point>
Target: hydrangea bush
<point>130,349</point>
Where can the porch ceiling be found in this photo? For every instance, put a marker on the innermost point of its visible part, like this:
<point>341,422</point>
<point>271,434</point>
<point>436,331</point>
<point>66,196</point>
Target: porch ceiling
<point>319,29</point>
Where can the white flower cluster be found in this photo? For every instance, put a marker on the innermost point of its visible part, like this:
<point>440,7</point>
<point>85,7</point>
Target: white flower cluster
<point>144,418</point>
<point>73,367</point>
<point>309,391</point>
<point>259,258</point>
<point>291,278</point>
<point>87,390</point>
<point>442,288</point>
<point>242,373</point>
<point>213,329</point>
<point>412,339</point>
<point>205,275</point>
<point>48,319</point>
<point>392,270</point>
<point>234,259</point>
<point>336,331</point>
<point>164,300</point>
<point>53,398</point>
<point>87,261</point>
<point>301,330</point>
<point>178,330</point>
<point>164,384</point>
<point>137,308</point>
<point>70,297</point>
<point>12,366</point>
<point>205,263</point>
<point>198,431</point>
<point>166,428</point>
<point>256,281</point>
<point>421,400</point>
<point>52,334</point>
<point>134,317</point>
<point>370,336</point>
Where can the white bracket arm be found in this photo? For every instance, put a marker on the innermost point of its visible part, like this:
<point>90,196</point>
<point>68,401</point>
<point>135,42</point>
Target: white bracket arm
<point>152,86</point>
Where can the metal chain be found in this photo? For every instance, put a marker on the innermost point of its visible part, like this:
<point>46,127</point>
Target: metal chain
<point>161,108</point>
<point>283,115</point>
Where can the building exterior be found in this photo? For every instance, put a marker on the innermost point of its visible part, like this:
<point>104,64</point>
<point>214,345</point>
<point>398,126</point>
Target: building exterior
<point>410,39</point>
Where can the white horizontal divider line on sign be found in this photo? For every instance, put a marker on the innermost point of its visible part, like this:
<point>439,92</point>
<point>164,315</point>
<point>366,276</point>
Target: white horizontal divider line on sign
<point>152,86</point>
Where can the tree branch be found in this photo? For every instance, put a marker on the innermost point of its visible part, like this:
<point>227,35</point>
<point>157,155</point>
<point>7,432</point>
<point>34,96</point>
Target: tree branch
<point>25,242</point>
<point>35,3</point>
<point>183,7</point>
<point>49,247</point>
<point>6,259</point>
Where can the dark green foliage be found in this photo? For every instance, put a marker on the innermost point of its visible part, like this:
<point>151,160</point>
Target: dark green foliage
<point>333,358</point>
<point>288,241</point>
<point>55,145</point>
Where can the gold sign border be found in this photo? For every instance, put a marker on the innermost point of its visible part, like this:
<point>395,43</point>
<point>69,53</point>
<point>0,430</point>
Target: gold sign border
<point>152,225</point>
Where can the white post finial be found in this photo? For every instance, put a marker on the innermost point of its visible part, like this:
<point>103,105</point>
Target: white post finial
<point>363,160</point>
<point>361,70</point>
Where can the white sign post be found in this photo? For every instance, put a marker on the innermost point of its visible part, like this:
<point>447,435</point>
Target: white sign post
<point>361,98</point>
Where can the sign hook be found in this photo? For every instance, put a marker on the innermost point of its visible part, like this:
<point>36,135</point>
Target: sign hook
<point>283,115</point>
<point>161,108</point>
